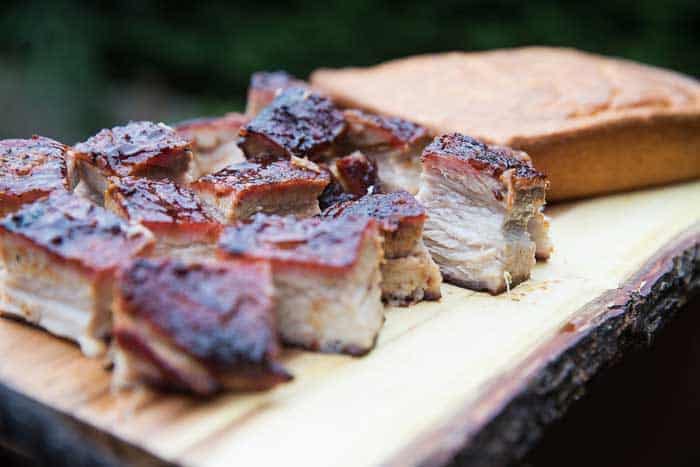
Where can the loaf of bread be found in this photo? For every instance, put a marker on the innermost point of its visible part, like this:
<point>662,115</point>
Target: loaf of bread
<point>592,124</point>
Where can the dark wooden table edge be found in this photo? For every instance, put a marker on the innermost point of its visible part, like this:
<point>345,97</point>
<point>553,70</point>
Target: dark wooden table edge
<point>500,428</point>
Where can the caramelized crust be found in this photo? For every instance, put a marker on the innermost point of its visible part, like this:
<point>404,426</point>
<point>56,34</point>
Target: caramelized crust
<point>297,123</point>
<point>366,129</point>
<point>31,169</point>
<point>207,134</point>
<point>357,174</point>
<point>161,206</point>
<point>220,314</point>
<point>73,230</point>
<point>137,148</point>
<point>264,87</point>
<point>399,215</point>
<point>494,160</point>
<point>315,243</point>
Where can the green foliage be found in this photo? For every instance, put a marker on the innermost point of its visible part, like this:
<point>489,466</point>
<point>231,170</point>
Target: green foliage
<point>68,68</point>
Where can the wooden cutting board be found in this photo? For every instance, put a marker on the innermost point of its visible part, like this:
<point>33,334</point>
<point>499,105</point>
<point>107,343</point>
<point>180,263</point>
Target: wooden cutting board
<point>475,374</point>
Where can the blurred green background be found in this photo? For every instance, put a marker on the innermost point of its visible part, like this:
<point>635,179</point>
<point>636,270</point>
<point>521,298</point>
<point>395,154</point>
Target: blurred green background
<point>69,68</point>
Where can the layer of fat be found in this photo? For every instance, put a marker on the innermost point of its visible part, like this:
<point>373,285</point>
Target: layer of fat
<point>398,170</point>
<point>538,227</point>
<point>471,235</point>
<point>411,278</point>
<point>332,313</point>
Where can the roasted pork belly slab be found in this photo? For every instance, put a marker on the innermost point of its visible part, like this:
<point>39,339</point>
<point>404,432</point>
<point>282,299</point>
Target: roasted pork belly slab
<point>174,214</point>
<point>31,169</point>
<point>326,274</point>
<point>199,327</point>
<point>297,123</point>
<point>61,254</point>
<point>214,142</point>
<point>143,149</point>
<point>480,201</point>
<point>265,86</point>
<point>395,144</point>
<point>408,272</point>
<point>281,187</point>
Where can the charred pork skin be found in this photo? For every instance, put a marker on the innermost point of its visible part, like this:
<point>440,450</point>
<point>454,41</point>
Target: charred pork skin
<point>61,254</point>
<point>326,274</point>
<point>395,144</point>
<point>174,214</point>
<point>351,177</point>
<point>298,123</point>
<point>142,149</point>
<point>31,169</point>
<point>196,327</point>
<point>214,142</point>
<point>409,274</point>
<point>265,86</point>
<point>281,187</point>
<point>480,201</point>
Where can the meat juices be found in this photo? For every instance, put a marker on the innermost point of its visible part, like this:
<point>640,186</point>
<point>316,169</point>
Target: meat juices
<point>31,169</point>
<point>298,123</point>
<point>265,86</point>
<point>214,142</point>
<point>480,201</point>
<point>395,144</point>
<point>61,254</point>
<point>283,187</point>
<point>142,149</point>
<point>326,274</point>
<point>174,214</point>
<point>409,274</point>
<point>199,327</point>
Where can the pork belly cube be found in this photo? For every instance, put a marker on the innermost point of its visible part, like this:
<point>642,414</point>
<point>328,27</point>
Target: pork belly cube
<point>480,200</point>
<point>326,274</point>
<point>174,214</point>
<point>31,169</point>
<point>281,187</point>
<point>297,123</point>
<point>142,149</point>
<point>409,274</point>
<point>214,142</point>
<point>197,327</point>
<point>395,144</point>
<point>265,86</point>
<point>61,255</point>
<point>351,177</point>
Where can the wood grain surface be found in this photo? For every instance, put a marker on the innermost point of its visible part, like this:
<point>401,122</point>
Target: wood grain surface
<point>473,375</point>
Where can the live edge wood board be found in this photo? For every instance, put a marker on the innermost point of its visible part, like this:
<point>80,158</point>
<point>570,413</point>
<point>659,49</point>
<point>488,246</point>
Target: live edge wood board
<point>473,376</point>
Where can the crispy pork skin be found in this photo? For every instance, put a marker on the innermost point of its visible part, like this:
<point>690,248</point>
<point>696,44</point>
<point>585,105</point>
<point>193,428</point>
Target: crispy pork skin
<point>480,200</point>
<point>395,144</point>
<point>408,272</point>
<point>142,149</point>
<point>265,86</point>
<point>31,169</point>
<point>214,142</point>
<point>173,213</point>
<point>198,327</point>
<point>298,123</point>
<point>326,273</point>
<point>351,177</point>
<point>281,187</point>
<point>61,254</point>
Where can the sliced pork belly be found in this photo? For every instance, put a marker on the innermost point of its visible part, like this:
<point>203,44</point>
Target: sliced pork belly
<point>326,273</point>
<point>265,86</point>
<point>142,149</point>
<point>297,123</point>
<point>214,142</point>
<point>61,254</point>
<point>538,228</point>
<point>409,274</point>
<point>480,202</point>
<point>281,187</point>
<point>31,169</point>
<point>395,144</point>
<point>351,177</point>
<point>198,327</point>
<point>174,214</point>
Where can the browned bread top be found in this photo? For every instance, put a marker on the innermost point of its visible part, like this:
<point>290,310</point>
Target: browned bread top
<point>514,96</point>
